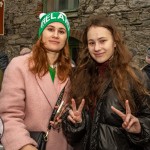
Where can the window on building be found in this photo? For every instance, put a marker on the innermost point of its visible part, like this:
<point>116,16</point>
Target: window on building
<point>74,47</point>
<point>61,5</point>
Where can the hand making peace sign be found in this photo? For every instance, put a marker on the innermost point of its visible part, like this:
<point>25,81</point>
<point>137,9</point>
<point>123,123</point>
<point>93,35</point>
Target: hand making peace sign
<point>130,123</point>
<point>75,115</point>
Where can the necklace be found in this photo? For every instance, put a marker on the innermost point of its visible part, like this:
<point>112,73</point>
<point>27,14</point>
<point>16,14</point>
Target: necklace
<point>53,66</point>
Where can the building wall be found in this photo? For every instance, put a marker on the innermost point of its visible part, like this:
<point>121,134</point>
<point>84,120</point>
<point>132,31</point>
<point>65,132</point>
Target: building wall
<point>21,26</point>
<point>21,23</point>
<point>133,17</point>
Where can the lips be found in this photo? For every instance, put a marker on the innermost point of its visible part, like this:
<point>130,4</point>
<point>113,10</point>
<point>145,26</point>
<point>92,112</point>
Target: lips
<point>55,42</point>
<point>98,54</point>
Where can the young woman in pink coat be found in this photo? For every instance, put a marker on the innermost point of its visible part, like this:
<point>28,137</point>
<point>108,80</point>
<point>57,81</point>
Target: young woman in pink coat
<point>32,84</point>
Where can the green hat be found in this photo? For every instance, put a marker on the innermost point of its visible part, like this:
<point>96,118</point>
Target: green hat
<point>51,17</point>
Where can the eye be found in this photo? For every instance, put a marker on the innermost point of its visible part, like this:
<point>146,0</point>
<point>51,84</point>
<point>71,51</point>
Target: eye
<point>62,32</point>
<point>91,43</point>
<point>50,29</point>
<point>102,41</point>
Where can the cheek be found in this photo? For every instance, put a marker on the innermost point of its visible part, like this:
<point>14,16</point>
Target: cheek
<point>90,51</point>
<point>111,52</point>
<point>44,38</point>
<point>63,41</point>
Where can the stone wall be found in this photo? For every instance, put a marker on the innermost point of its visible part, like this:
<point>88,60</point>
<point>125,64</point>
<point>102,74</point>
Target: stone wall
<point>21,23</point>
<point>132,15</point>
<point>21,26</point>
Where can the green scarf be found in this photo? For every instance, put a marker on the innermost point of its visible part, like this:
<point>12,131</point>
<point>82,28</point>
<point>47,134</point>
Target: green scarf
<point>52,73</point>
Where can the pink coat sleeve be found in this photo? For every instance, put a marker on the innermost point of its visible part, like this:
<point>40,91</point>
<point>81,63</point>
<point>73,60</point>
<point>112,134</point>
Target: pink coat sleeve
<point>12,106</point>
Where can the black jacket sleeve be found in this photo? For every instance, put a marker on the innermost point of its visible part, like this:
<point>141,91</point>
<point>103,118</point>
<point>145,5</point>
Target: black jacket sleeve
<point>74,132</point>
<point>144,117</point>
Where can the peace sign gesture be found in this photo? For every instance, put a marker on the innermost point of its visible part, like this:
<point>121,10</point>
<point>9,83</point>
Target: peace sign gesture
<point>130,123</point>
<point>75,115</point>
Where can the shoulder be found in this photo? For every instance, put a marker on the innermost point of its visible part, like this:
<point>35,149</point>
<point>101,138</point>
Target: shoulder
<point>18,63</point>
<point>20,60</point>
<point>146,68</point>
<point>137,71</point>
<point>142,77</point>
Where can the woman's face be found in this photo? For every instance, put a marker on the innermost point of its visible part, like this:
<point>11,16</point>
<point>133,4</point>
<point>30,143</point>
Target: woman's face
<point>100,44</point>
<point>54,36</point>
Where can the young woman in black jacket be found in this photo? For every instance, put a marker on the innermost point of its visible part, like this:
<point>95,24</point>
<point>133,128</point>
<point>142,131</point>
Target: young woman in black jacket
<point>109,109</point>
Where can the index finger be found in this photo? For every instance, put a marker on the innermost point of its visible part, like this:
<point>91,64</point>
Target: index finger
<point>118,112</point>
<point>81,105</point>
<point>128,110</point>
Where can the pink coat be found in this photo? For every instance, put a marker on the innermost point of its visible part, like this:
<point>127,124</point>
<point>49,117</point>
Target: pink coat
<point>26,103</point>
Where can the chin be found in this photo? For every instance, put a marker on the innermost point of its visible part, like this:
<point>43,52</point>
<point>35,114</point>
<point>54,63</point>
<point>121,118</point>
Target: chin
<point>100,61</point>
<point>52,49</point>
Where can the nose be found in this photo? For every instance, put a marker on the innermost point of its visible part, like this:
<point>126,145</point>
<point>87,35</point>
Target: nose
<point>97,46</point>
<point>55,34</point>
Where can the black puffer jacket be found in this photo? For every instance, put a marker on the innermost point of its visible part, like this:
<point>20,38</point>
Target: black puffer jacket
<point>105,132</point>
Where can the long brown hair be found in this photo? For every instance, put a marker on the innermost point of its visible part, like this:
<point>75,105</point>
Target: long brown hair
<point>39,63</point>
<point>86,81</point>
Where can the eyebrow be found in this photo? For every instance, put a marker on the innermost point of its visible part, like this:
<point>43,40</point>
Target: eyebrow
<point>54,27</point>
<point>98,38</point>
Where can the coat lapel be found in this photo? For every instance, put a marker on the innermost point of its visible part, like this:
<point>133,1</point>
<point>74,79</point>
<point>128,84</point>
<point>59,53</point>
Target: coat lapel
<point>50,90</point>
<point>59,85</point>
<point>47,87</point>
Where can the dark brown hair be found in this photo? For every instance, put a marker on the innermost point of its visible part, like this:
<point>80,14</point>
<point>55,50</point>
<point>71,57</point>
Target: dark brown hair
<point>39,64</point>
<point>87,83</point>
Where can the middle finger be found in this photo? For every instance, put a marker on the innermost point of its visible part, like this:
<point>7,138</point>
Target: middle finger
<point>73,105</point>
<point>81,105</point>
<point>71,113</point>
<point>127,119</point>
<point>128,110</point>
